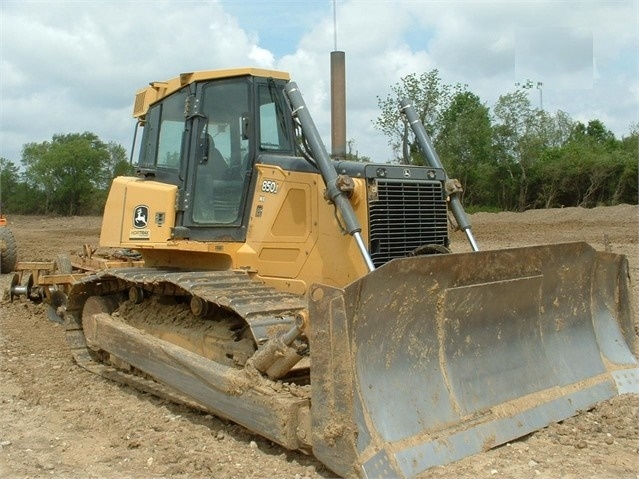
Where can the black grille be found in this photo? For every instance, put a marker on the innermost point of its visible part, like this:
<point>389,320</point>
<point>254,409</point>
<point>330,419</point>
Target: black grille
<point>404,216</point>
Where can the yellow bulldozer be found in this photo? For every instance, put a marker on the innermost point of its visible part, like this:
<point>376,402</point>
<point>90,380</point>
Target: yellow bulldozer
<point>316,301</point>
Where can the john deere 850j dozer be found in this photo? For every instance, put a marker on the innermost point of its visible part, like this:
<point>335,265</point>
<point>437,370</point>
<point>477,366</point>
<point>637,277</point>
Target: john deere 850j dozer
<point>315,301</point>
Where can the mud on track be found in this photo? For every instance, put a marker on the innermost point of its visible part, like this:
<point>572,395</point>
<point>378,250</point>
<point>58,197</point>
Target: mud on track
<point>57,420</point>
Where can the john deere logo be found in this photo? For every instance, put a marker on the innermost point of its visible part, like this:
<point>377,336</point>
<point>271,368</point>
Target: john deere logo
<point>141,216</point>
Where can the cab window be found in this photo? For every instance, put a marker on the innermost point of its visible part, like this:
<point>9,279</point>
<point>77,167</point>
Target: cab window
<point>273,131</point>
<point>162,146</point>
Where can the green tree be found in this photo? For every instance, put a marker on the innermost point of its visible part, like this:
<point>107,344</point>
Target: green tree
<point>551,171</point>
<point>515,157</point>
<point>9,181</point>
<point>599,134</point>
<point>547,172</point>
<point>511,114</point>
<point>16,196</point>
<point>118,163</point>
<point>464,145</point>
<point>70,171</point>
<point>591,168</point>
<point>521,135</point>
<point>586,170</point>
<point>626,186</point>
<point>430,97</point>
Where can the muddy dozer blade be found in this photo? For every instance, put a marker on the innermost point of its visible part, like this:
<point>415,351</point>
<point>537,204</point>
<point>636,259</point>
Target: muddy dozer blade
<point>431,359</point>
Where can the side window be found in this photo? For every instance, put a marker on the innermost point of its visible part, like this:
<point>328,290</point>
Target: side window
<point>162,138</point>
<point>273,132</point>
<point>171,129</point>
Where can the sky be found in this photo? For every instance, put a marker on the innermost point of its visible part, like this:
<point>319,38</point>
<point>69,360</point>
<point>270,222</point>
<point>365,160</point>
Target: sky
<point>74,66</point>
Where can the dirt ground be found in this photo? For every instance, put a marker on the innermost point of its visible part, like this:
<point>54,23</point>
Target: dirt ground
<point>57,420</point>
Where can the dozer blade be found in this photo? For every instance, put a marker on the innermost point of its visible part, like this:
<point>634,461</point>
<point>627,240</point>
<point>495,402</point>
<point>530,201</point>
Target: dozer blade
<point>431,359</point>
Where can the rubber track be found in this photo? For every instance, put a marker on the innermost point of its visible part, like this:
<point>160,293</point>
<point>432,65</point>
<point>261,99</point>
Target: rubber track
<point>261,306</point>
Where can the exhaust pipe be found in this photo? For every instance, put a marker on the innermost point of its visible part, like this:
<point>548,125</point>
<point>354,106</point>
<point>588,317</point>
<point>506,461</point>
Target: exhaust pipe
<point>338,104</point>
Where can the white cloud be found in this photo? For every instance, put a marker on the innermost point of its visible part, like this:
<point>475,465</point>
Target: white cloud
<point>67,67</point>
<point>75,66</point>
<point>261,57</point>
<point>561,56</point>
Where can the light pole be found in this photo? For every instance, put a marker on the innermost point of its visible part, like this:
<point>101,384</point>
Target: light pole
<point>541,96</point>
<point>528,86</point>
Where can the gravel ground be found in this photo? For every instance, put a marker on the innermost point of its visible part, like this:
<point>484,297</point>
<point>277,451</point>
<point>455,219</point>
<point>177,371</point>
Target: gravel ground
<point>60,421</point>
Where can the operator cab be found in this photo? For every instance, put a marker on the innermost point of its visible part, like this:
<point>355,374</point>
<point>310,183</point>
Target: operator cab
<point>205,137</point>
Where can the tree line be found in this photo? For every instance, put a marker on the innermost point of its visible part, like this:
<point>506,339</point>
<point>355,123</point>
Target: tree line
<point>69,175</point>
<point>513,157</point>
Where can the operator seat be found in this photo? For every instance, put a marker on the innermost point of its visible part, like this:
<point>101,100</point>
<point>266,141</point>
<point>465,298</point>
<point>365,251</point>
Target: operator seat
<point>216,197</point>
<point>217,166</point>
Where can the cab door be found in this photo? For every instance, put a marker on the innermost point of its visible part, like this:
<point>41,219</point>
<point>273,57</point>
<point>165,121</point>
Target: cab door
<point>218,178</point>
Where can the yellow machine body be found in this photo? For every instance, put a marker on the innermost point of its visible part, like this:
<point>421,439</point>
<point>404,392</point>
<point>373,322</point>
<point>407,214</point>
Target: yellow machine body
<point>285,246</point>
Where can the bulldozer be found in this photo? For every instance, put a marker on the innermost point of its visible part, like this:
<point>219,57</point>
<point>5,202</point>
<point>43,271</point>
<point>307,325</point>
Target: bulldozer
<point>316,301</point>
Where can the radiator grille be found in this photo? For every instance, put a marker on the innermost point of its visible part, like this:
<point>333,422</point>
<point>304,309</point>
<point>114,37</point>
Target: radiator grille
<point>404,216</point>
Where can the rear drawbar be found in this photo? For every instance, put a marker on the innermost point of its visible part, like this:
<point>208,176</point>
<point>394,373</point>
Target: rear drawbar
<point>431,359</point>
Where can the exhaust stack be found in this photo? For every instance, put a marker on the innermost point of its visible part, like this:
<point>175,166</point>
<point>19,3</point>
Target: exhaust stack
<point>338,104</point>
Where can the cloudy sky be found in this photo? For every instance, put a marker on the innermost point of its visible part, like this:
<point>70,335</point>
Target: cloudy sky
<point>74,66</point>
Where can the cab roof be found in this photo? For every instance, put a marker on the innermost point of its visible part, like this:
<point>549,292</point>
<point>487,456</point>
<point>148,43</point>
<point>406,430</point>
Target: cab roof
<point>157,90</point>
